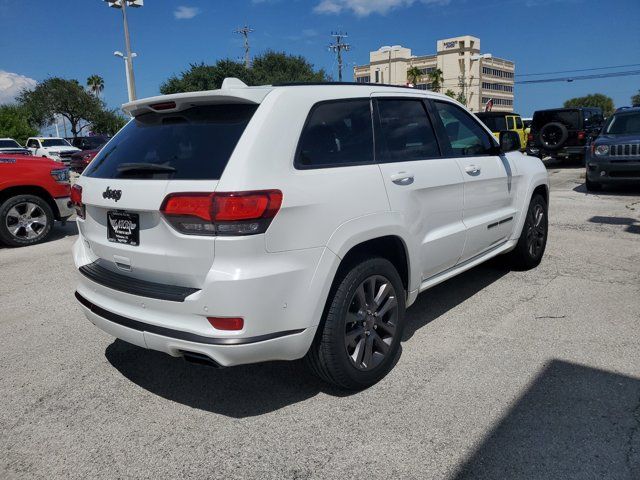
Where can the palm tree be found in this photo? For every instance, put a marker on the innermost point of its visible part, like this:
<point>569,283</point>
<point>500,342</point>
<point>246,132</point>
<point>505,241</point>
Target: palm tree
<point>436,79</point>
<point>413,75</point>
<point>95,84</point>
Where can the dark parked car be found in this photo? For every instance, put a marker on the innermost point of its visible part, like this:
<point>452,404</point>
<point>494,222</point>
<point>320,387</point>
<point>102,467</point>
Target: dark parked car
<point>10,146</point>
<point>614,156</point>
<point>80,160</point>
<point>93,142</point>
<point>564,132</point>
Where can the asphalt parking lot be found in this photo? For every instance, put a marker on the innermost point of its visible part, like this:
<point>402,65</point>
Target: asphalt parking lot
<point>503,374</point>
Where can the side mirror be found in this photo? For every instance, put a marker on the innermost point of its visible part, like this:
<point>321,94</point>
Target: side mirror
<point>509,141</point>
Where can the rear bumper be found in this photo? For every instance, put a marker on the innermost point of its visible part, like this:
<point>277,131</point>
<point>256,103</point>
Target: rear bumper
<point>613,172</point>
<point>224,351</point>
<point>561,152</point>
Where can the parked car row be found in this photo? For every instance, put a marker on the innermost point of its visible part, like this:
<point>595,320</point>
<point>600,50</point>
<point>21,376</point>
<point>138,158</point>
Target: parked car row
<point>75,153</point>
<point>609,148</point>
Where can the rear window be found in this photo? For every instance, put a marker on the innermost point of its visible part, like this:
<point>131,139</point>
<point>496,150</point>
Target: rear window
<point>194,144</point>
<point>54,142</point>
<point>495,124</point>
<point>337,133</point>
<point>569,118</point>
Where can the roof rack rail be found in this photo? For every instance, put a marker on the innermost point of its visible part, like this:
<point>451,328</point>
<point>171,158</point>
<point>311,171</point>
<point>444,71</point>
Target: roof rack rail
<point>357,84</point>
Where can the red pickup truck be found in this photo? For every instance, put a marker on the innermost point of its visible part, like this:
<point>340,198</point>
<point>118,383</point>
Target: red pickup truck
<point>34,192</point>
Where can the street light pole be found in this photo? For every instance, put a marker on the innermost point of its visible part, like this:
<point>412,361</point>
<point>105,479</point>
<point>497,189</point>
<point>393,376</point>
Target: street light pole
<point>128,55</point>
<point>131,81</point>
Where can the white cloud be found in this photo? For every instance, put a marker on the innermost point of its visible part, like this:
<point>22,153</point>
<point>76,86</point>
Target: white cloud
<point>362,8</point>
<point>185,13</point>
<point>11,84</point>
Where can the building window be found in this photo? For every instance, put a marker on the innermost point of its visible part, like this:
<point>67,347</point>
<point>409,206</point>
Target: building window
<point>422,86</point>
<point>377,76</point>
<point>504,102</point>
<point>496,73</point>
<point>499,87</point>
<point>366,79</point>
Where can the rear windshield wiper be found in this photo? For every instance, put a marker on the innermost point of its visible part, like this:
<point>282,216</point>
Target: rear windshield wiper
<point>143,168</point>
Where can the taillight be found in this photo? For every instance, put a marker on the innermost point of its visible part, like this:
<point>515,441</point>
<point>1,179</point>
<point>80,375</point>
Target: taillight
<point>530,137</point>
<point>581,135</point>
<point>225,323</point>
<point>222,213</point>
<point>76,200</point>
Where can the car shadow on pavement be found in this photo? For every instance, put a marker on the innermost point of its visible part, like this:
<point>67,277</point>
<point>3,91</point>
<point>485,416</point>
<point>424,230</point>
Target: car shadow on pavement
<point>251,390</point>
<point>632,224</point>
<point>243,391</point>
<point>443,297</point>
<point>552,164</point>
<point>613,190</point>
<point>573,422</point>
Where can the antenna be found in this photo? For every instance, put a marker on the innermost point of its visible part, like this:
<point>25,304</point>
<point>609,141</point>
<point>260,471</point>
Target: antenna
<point>245,31</point>
<point>337,47</point>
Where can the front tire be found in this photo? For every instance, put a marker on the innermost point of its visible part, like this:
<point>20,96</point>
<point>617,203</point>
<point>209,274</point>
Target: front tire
<point>592,186</point>
<point>358,341</point>
<point>533,238</point>
<point>25,220</point>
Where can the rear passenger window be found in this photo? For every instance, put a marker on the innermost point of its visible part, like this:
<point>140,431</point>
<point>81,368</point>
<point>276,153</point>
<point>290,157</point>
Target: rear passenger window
<point>467,138</point>
<point>519,123</point>
<point>405,132</point>
<point>337,133</point>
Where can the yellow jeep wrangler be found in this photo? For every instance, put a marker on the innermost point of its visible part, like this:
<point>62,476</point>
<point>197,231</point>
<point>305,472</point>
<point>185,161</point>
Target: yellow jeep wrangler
<point>500,121</point>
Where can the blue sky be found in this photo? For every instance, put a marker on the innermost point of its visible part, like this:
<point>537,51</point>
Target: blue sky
<point>76,38</point>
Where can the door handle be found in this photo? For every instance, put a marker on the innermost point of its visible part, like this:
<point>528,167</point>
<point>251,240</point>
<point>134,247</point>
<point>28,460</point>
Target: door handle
<point>402,178</point>
<point>472,170</point>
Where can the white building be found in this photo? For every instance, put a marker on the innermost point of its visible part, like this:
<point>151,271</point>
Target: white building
<point>466,72</point>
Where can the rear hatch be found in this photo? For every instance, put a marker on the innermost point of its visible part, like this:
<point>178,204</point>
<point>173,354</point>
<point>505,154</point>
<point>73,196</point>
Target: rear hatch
<point>156,154</point>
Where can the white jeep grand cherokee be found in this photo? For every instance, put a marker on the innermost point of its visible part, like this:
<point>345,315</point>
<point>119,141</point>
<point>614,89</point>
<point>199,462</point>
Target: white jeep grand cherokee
<point>250,224</point>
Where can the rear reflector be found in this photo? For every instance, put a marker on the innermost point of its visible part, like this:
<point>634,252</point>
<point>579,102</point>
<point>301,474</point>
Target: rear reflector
<point>224,323</point>
<point>222,213</point>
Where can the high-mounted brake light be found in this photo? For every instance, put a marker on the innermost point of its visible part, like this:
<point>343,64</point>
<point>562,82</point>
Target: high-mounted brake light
<point>76,200</point>
<point>163,106</point>
<point>222,213</point>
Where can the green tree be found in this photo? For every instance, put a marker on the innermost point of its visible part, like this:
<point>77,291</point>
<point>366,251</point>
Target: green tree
<point>593,100</point>
<point>413,75</point>
<point>14,123</point>
<point>450,93</point>
<point>268,68</point>
<point>461,98</point>
<point>635,100</point>
<point>278,67</point>
<point>436,79</point>
<point>95,84</point>
<point>58,96</point>
<point>108,122</point>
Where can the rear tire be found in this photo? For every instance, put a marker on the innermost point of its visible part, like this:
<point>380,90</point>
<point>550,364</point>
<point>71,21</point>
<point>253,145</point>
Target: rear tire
<point>533,238</point>
<point>25,220</point>
<point>358,341</point>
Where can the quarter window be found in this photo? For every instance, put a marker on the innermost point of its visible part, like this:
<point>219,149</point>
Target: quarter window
<point>337,134</point>
<point>466,137</point>
<point>405,132</point>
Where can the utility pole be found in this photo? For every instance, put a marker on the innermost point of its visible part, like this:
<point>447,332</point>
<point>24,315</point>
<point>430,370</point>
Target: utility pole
<point>338,47</point>
<point>245,31</point>
<point>128,55</point>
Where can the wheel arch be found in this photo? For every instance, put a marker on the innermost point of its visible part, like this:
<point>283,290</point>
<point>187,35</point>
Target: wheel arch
<point>30,190</point>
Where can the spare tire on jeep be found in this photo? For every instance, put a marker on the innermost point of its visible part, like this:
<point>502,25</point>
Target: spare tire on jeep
<point>553,135</point>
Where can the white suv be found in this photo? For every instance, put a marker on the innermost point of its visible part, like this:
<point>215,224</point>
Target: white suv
<point>250,224</point>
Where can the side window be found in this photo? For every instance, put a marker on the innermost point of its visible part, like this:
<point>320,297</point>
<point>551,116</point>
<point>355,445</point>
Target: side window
<point>337,133</point>
<point>467,138</point>
<point>405,132</point>
<point>510,123</point>
<point>519,123</point>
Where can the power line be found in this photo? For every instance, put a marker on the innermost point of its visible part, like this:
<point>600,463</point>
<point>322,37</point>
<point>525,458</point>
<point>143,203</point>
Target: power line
<point>578,70</point>
<point>245,31</point>
<point>581,77</point>
<point>338,47</point>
